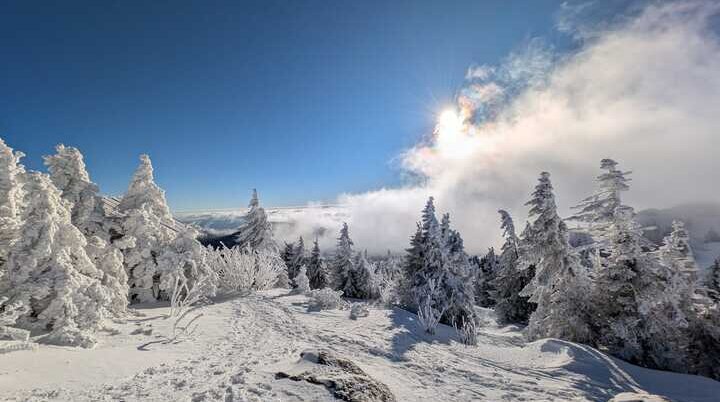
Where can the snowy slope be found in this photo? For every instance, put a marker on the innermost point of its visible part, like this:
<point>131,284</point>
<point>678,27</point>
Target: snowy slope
<point>243,342</point>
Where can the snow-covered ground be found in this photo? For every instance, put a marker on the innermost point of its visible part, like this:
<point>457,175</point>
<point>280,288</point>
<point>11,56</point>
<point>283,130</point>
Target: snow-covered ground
<point>242,343</point>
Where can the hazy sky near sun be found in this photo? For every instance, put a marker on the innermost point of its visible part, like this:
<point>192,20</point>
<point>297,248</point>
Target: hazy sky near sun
<point>302,99</point>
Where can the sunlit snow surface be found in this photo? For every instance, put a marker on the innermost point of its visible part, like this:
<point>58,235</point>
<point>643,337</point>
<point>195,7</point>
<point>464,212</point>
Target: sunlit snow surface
<point>241,343</point>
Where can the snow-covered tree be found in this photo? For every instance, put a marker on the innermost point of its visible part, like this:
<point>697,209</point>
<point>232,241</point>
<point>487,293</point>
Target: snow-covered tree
<point>316,269</point>
<point>624,285</point>
<point>287,253</point>
<point>49,271</point>
<point>600,209</point>
<point>712,282</point>
<point>560,286</point>
<point>341,264</point>
<point>676,252</point>
<point>412,265</point>
<point>302,283</point>
<point>486,269</point>
<point>109,260</point>
<point>511,278</point>
<point>359,282</point>
<point>186,258</point>
<point>69,174</point>
<point>298,258</point>
<point>146,215</point>
<point>11,199</point>
<point>255,231</point>
<point>438,272</point>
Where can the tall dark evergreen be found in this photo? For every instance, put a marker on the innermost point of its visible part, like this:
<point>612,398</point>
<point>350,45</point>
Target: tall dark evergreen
<point>713,281</point>
<point>511,278</point>
<point>486,269</point>
<point>317,271</point>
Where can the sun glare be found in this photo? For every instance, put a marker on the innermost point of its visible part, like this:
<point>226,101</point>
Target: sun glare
<point>450,133</point>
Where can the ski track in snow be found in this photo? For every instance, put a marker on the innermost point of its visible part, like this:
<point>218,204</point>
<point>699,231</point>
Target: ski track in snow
<point>265,333</point>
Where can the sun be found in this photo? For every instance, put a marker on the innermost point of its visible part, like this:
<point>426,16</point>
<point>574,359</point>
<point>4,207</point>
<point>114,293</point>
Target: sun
<point>451,134</point>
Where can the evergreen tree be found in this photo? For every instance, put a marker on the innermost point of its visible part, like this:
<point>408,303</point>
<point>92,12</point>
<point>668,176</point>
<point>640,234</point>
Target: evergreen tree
<point>486,269</point>
<point>11,199</point>
<point>298,258</point>
<point>69,175</point>
<point>146,214</point>
<point>622,286</point>
<point>287,253</point>
<point>713,281</point>
<point>302,283</point>
<point>441,280</point>
<point>560,285</point>
<point>511,279</point>
<point>360,279</point>
<point>412,265</point>
<point>49,272</point>
<point>342,262</point>
<point>600,209</point>
<point>316,269</point>
<point>255,231</point>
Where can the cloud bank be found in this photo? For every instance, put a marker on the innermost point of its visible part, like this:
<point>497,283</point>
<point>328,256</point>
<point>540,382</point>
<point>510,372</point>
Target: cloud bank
<point>645,92</point>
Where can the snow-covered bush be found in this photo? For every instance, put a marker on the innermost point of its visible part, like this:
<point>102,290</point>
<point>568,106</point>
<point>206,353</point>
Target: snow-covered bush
<point>359,310</point>
<point>302,283</point>
<point>386,288</point>
<point>325,299</point>
<point>430,310</point>
<point>466,328</point>
<point>186,257</point>
<point>241,271</point>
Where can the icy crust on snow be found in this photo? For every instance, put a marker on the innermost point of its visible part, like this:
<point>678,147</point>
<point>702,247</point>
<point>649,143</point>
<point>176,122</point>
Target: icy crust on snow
<point>243,342</point>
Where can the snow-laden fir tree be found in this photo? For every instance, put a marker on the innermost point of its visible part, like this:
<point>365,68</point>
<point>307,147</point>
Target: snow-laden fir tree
<point>11,199</point>
<point>49,272</point>
<point>256,232</point>
<point>298,258</point>
<point>600,209</point>
<point>317,270</point>
<point>302,283</point>
<point>69,174</point>
<point>486,269</point>
<point>560,286</point>
<point>624,284</point>
<point>412,264</point>
<point>146,218</point>
<point>287,253</point>
<point>438,273</point>
<point>669,309</point>
<point>360,281</point>
<point>511,278</point>
<point>712,282</point>
<point>341,264</point>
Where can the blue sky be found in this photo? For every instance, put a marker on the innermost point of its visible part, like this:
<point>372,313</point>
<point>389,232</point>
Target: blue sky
<point>302,99</point>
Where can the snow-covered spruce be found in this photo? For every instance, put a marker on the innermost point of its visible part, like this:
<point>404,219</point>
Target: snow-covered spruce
<point>69,175</point>
<point>712,282</point>
<point>561,286</point>
<point>11,199</point>
<point>317,269</point>
<point>511,278</point>
<point>302,283</point>
<point>50,273</point>
<point>146,217</point>
<point>341,264</point>
<point>256,232</point>
<point>486,269</point>
<point>438,272</point>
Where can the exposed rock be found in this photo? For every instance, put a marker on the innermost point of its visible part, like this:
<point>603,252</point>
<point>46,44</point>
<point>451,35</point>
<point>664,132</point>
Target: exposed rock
<point>342,377</point>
